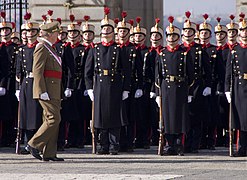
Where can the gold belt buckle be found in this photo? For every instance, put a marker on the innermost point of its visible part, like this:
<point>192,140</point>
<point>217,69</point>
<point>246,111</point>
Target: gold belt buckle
<point>105,72</point>
<point>172,78</point>
<point>245,75</point>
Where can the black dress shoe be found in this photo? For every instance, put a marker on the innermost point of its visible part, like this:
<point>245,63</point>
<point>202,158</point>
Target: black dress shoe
<point>53,159</point>
<point>34,152</point>
<point>24,151</point>
<point>102,151</point>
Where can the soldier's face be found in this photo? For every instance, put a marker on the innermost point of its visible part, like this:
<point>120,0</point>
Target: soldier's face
<point>243,34</point>
<point>188,34</point>
<point>88,36</point>
<point>172,39</point>
<point>131,39</point>
<point>15,40</point>
<point>139,38</point>
<point>32,34</point>
<point>62,36</point>
<point>123,33</point>
<point>220,36</point>
<point>6,32</point>
<point>204,35</point>
<point>107,32</point>
<point>24,36</point>
<point>232,34</point>
<point>73,35</point>
<point>53,37</point>
<point>155,39</point>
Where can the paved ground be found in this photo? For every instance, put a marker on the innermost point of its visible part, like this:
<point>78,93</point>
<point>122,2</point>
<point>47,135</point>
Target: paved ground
<point>140,165</point>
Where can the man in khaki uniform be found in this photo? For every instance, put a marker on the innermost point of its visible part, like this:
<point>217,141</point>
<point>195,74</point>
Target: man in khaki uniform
<point>47,74</point>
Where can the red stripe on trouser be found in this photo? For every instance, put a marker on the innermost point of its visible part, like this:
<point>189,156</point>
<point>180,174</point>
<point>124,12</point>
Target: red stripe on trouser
<point>53,74</point>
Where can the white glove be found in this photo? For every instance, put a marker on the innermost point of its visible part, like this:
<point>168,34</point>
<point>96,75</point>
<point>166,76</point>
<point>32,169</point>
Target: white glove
<point>2,91</point>
<point>228,97</point>
<point>206,91</point>
<point>17,94</point>
<point>138,93</point>
<point>152,95</point>
<point>44,96</point>
<point>85,93</point>
<point>125,95</point>
<point>190,99</point>
<point>90,93</point>
<point>68,92</point>
<point>158,100</point>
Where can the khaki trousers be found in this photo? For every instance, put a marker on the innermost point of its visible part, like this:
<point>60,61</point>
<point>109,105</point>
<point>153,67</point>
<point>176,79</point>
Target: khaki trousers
<point>45,138</point>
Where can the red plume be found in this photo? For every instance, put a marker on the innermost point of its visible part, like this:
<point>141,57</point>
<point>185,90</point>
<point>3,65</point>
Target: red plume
<point>187,14</point>
<point>171,19</point>
<point>50,12</point>
<point>242,15</point>
<point>232,16</point>
<point>44,17</point>
<point>107,10</point>
<point>86,18</point>
<point>79,23</point>
<point>72,17</point>
<point>131,21</point>
<point>157,20</point>
<point>27,16</point>
<point>205,16</point>
<point>138,19</point>
<point>197,27</point>
<point>124,14</point>
<point>116,20</point>
<point>3,14</point>
<point>218,19</point>
<point>13,25</point>
<point>59,20</point>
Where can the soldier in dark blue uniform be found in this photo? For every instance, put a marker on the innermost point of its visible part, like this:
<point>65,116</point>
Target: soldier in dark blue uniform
<point>149,62</point>
<point>222,55</point>
<point>129,105</point>
<point>143,124</point>
<point>107,77</point>
<point>236,69</point>
<point>217,69</point>
<point>8,99</point>
<point>174,75</point>
<point>30,109</point>
<point>74,88</point>
<point>202,80</point>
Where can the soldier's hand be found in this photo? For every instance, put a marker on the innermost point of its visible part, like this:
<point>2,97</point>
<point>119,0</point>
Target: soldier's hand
<point>206,91</point>
<point>190,99</point>
<point>138,93</point>
<point>17,94</point>
<point>158,100</point>
<point>125,95</point>
<point>152,95</point>
<point>90,93</point>
<point>228,97</point>
<point>44,96</point>
<point>68,92</point>
<point>2,91</point>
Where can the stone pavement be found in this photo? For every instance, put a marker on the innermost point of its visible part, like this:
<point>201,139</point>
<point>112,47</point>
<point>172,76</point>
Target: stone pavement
<point>140,165</point>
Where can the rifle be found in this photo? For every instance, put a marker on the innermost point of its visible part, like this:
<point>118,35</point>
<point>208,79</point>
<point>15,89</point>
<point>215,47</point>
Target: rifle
<point>18,137</point>
<point>231,150</point>
<point>161,122</point>
<point>94,140</point>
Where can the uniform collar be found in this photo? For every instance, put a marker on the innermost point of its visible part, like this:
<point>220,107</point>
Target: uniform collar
<point>45,40</point>
<point>189,45</point>
<point>157,49</point>
<point>222,47</point>
<point>138,46</point>
<point>75,45</point>
<point>206,45</point>
<point>170,49</point>
<point>243,45</point>
<point>6,43</point>
<point>91,45</point>
<point>231,46</point>
<point>107,43</point>
<point>124,44</point>
<point>32,45</point>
